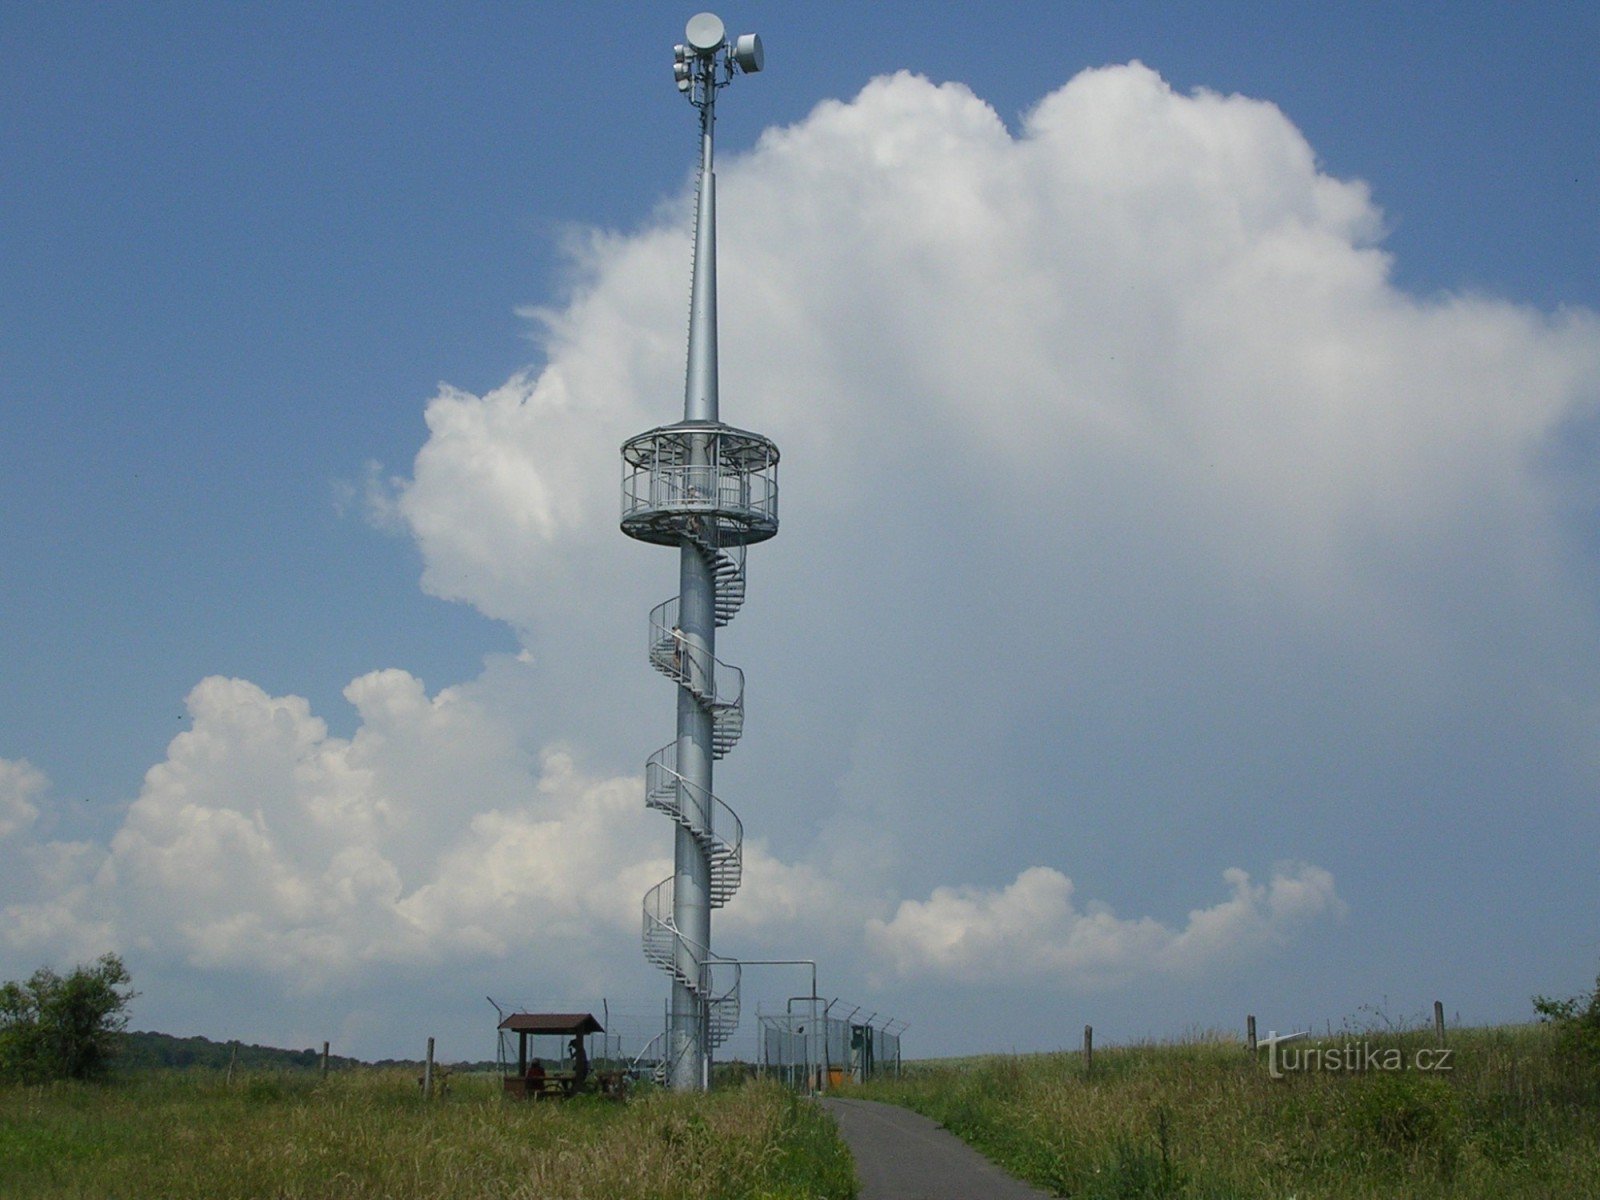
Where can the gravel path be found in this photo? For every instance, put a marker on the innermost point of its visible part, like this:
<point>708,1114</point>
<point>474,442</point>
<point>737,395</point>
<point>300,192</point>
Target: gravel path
<point>903,1156</point>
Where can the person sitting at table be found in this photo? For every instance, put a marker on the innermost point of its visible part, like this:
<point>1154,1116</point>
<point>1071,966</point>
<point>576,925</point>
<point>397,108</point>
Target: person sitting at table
<point>533,1081</point>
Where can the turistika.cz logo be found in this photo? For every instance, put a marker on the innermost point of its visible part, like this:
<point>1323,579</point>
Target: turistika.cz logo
<point>1285,1058</point>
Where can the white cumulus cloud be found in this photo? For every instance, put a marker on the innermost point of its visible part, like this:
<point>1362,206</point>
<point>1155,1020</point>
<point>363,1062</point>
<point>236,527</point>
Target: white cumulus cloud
<point>264,845</point>
<point>1031,930</point>
<point>20,784</point>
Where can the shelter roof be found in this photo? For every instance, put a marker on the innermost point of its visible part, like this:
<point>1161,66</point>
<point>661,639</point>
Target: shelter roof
<point>575,1023</point>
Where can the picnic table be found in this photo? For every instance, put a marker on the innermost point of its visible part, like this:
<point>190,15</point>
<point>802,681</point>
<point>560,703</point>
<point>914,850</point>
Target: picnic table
<point>553,1084</point>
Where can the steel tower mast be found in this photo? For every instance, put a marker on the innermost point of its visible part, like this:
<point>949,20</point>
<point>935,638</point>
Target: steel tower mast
<point>711,490</point>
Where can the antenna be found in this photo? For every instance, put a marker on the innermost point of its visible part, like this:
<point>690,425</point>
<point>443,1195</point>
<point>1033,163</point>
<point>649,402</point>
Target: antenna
<point>704,32</point>
<point>704,61</point>
<point>747,54</point>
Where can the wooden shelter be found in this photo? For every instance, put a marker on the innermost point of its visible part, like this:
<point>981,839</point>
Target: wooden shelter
<point>565,1026</point>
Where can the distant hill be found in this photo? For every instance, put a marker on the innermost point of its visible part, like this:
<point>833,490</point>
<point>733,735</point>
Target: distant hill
<point>144,1051</point>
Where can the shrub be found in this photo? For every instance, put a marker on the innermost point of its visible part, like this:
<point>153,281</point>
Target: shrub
<point>55,1027</point>
<point>1577,1020</point>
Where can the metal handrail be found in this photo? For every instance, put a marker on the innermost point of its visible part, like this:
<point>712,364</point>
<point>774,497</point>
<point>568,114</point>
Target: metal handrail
<point>688,664</point>
<point>732,508</point>
<point>659,929</point>
<point>633,1064</point>
<point>662,890</point>
<point>703,489</point>
<point>661,763</point>
<point>692,486</point>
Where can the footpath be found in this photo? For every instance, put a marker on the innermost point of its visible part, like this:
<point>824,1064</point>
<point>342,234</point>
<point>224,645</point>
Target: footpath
<point>901,1155</point>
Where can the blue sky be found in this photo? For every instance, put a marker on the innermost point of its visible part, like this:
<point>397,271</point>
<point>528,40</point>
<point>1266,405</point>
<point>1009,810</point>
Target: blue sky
<point>246,244</point>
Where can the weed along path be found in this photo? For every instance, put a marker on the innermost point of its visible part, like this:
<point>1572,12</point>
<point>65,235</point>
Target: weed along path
<point>901,1155</point>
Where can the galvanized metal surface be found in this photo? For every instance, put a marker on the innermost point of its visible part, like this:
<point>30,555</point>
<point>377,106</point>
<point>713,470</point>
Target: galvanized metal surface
<point>710,490</point>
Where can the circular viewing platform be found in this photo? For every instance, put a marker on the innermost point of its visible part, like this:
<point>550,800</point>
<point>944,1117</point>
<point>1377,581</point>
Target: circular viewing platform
<point>677,477</point>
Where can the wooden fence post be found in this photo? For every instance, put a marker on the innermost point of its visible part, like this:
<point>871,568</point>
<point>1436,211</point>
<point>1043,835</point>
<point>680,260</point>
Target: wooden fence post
<point>1250,1032</point>
<point>1088,1049</point>
<point>427,1073</point>
<point>324,1060</point>
<point>1438,1021</point>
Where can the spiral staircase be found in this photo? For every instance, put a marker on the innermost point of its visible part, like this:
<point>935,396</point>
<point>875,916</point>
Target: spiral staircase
<point>711,489</point>
<point>715,827</point>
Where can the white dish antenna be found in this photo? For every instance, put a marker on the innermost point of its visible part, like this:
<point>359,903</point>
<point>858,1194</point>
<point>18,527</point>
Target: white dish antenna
<point>747,53</point>
<point>708,59</point>
<point>705,32</point>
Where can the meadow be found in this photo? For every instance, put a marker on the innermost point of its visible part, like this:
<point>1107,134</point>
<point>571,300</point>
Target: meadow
<point>1513,1114</point>
<point>368,1133</point>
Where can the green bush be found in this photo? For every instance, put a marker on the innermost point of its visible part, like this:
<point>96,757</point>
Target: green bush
<point>55,1027</point>
<point>1577,1020</point>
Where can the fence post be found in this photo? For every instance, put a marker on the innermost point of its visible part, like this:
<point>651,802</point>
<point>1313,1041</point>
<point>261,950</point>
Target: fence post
<point>324,1060</point>
<point>1438,1021</point>
<point>427,1073</point>
<point>1088,1049</point>
<point>1250,1032</point>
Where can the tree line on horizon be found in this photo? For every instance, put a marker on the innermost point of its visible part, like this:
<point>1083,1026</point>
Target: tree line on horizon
<point>142,1050</point>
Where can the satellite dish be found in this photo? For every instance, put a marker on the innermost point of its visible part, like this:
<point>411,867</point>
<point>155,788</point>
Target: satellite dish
<point>747,53</point>
<point>705,32</point>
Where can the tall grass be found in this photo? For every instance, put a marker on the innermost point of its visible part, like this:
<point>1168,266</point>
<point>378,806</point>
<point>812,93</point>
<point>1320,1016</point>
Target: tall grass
<point>183,1135</point>
<point>1514,1117</point>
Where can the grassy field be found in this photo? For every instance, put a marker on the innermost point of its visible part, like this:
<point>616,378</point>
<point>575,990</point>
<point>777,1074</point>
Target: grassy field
<point>367,1133</point>
<point>1513,1116</point>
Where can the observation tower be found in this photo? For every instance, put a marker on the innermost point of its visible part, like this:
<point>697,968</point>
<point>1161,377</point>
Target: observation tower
<point>711,491</point>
